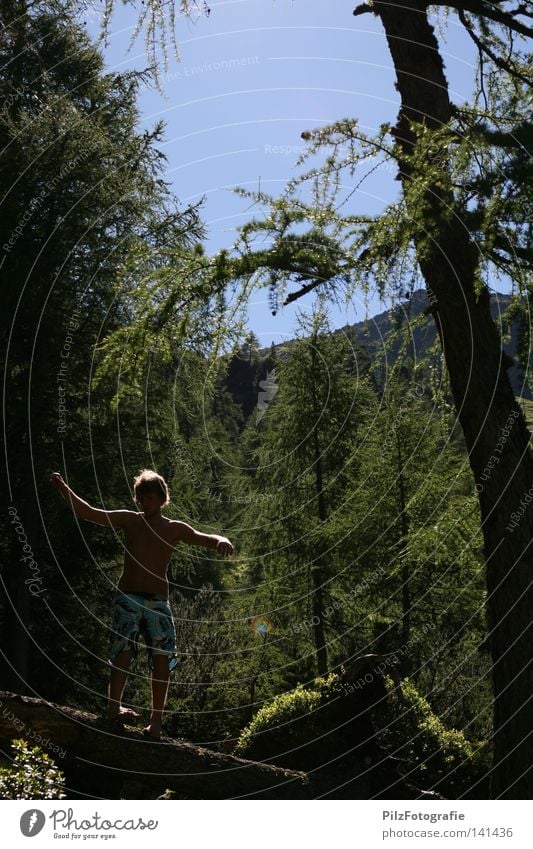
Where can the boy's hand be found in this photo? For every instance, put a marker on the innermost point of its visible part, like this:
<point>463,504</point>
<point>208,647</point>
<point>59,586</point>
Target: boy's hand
<point>224,546</point>
<point>57,482</point>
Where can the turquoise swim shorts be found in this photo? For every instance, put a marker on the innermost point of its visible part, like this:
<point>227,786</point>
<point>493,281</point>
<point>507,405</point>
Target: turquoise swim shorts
<point>146,614</point>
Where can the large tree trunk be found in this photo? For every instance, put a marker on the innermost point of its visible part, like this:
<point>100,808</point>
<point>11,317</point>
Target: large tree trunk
<point>495,432</point>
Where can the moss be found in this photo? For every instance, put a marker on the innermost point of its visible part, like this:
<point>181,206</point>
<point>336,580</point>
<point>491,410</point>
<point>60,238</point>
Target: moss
<point>435,756</point>
<point>311,727</point>
<point>289,722</point>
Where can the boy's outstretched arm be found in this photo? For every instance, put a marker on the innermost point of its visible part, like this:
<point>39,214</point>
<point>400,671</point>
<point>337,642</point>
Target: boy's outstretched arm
<point>186,533</point>
<point>110,518</point>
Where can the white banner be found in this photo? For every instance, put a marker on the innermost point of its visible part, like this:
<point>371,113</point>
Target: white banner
<point>270,824</point>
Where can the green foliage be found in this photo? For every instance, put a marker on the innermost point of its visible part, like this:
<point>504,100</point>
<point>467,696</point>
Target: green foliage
<point>33,775</point>
<point>296,456</point>
<point>277,728</point>
<point>84,207</point>
<point>438,757</point>
<point>424,730</point>
<point>307,717</point>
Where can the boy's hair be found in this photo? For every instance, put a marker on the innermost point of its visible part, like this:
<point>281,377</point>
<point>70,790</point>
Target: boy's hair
<point>149,481</point>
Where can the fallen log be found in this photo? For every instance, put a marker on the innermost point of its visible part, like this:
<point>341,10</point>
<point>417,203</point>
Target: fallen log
<point>108,763</point>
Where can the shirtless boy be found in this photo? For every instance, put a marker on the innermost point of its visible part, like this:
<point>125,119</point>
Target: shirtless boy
<point>141,605</point>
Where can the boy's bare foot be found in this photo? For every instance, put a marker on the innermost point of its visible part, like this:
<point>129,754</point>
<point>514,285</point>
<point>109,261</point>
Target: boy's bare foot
<point>153,731</point>
<point>123,714</point>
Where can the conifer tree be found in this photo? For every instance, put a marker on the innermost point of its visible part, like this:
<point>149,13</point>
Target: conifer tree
<point>81,188</point>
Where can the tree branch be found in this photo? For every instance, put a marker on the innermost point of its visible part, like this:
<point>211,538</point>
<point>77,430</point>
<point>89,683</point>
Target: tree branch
<point>362,9</point>
<point>479,7</point>
<point>294,296</point>
<point>516,139</point>
<point>483,48</point>
<point>522,10</point>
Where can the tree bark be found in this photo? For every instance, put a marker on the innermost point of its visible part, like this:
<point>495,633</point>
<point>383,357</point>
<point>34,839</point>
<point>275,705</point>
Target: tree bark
<point>115,763</point>
<point>495,432</point>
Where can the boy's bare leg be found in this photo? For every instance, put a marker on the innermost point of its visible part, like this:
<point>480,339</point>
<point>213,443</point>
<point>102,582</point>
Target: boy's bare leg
<point>160,679</point>
<point>119,674</point>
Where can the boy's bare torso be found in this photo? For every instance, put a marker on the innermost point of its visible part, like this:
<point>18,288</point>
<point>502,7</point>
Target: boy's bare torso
<point>148,547</point>
<point>150,538</point>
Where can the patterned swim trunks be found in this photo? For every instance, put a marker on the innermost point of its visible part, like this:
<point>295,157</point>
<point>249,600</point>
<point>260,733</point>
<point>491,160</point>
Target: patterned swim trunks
<point>147,614</point>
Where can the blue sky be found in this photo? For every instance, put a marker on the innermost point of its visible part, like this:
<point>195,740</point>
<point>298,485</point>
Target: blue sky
<point>252,76</point>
